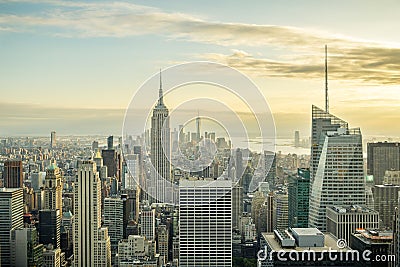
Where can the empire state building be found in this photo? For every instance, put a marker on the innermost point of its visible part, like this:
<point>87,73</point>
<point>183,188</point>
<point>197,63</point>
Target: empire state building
<point>160,149</point>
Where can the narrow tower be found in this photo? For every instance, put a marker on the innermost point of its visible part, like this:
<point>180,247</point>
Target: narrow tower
<point>198,135</point>
<point>160,149</point>
<point>326,80</point>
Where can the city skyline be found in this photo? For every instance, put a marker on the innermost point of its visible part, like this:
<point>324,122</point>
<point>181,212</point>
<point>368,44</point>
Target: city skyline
<point>77,78</point>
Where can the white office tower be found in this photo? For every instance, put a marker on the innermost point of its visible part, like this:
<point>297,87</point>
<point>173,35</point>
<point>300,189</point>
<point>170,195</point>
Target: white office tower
<point>91,241</point>
<point>11,217</point>
<point>337,166</point>
<point>205,223</point>
<point>148,222</point>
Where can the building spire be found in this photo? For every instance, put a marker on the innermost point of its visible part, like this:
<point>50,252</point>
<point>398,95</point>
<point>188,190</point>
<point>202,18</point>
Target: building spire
<point>160,93</point>
<point>326,80</point>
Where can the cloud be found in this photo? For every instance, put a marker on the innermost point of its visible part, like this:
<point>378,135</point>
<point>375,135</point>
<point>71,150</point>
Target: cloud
<point>362,65</point>
<point>299,50</point>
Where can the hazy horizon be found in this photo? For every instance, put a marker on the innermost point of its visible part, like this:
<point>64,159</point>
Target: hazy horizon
<point>74,66</point>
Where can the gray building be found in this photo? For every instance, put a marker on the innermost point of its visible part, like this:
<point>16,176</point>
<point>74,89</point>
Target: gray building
<point>382,156</point>
<point>385,202</point>
<point>49,227</point>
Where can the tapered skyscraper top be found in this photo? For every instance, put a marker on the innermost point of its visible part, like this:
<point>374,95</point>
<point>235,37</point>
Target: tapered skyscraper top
<point>160,94</point>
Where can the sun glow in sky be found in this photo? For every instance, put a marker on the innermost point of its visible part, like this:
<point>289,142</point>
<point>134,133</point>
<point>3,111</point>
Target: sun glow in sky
<point>73,66</point>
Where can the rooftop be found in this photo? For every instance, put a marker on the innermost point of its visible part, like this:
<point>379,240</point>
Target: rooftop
<point>374,236</point>
<point>352,209</point>
<point>204,183</point>
<point>330,243</point>
<point>9,190</point>
<point>306,231</point>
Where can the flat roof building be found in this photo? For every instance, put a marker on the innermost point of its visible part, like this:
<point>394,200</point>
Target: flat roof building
<point>275,253</point>
<point>342,221</point>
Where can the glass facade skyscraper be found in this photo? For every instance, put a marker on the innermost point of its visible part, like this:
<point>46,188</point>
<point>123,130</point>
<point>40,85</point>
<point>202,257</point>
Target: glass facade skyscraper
<point>336,166</point>
<point>299,194</point>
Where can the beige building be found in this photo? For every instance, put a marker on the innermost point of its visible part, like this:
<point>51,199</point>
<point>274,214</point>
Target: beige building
<point>91,241</point>
<point>343,221</point>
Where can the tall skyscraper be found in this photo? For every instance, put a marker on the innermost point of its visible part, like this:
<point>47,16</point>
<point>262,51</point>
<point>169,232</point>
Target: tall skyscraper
<point>98,159</point>
<point>110,159</point>
<point>110,142</point>
<point>296,138</point>
<point>257,210</point>
<point>269,214</point>
<point>66,233</point>
<point>281,210</point>
<point>238,165</point>
<point>322,122</point>
<point>53,140</point>
<point>205,223</point>
<point>160,149</point>
<point>162,241</point>
<point>91,241</point>
<point>382,157</point>
<point>95,146</point>
<point>133,171</point>
<point>385,202</point>
<point>114,220</point>
<point>299,195</point>
<point>37,179</point>
<point>11,217</point>
<point>237,205</point>
<point>51,207</point>
<point>13,174</point>
<point>270,161</point>
<point>53,189</point>
<point>198,133</point>
<point>148,222</point>
<point>49,227</point>
<point>337,172</point>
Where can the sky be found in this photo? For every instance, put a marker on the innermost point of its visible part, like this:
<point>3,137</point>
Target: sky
<point>74,66</point>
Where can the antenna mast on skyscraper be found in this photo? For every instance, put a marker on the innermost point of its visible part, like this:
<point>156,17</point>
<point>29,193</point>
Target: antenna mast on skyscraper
<point>160,93</point>
<point>326,80</point>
